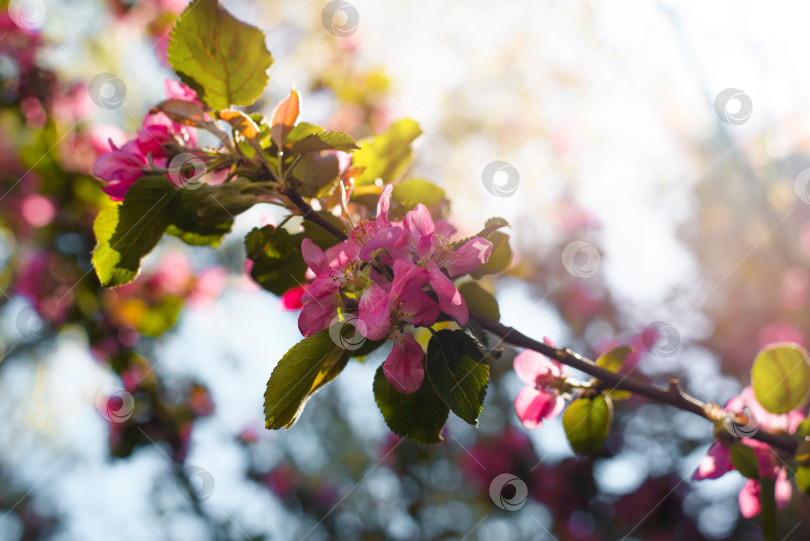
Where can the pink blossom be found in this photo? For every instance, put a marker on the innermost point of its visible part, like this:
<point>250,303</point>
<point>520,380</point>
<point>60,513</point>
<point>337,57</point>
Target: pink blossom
<point>787,422</point>
<point>716,463</point>
<point>291,299</point>
<point>180,91</point>
<point>541,399</point>
<point>403,367</point>
<point>749,495</point>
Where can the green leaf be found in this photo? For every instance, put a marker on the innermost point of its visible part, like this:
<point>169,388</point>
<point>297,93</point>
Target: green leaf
<point>492,225</point>
<point>419,416</point>
<point>480,301</point>
<point>745,460</point>
<point>614,359</point>
<point>296,377</point>
<point>499,259</point>
<point>277,261</point>
<point>767,513</point>
<point>803,479</point>
<point>323,140</point>
<point>222,58</point>
<point>321,237</point>
<point>204,235</point>
<point>587,423</point>
<point>127,232</point>
<point>386,155</point>
<point>316,173</point>
<point>459,372</point>
<point>414,191</point>
<point>215,205</point>
<point>803,453</point>
<point>781,377</point>
<point>803,430</point>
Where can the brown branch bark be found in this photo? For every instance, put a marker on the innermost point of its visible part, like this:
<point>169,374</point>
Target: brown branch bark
<point>671,396</point>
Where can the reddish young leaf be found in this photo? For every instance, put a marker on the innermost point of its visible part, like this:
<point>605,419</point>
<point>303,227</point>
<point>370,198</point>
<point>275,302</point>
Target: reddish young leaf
<point>183,112</point>
<point>284,117</point>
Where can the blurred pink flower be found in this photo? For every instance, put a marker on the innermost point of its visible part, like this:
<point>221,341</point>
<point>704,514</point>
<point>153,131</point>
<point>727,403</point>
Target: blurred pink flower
<point>541,399</point>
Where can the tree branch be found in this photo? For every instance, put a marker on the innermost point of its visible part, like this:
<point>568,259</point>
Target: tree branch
<point>308,213</point>
<point>671,396</point>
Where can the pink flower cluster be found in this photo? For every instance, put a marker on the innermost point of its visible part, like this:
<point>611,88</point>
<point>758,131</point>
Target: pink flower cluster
<point>391,274</point>
<point>541,399</point>
<point>717,461</point>
<point>121,167</point>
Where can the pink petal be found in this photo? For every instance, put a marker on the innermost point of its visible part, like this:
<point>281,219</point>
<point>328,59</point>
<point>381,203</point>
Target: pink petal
<point>119,165</point>
<point>403,367</point>
<point>383,239</point>
<point>749,499</point>
<point>444,229</point>
<point>450,299</point>
<point>322,286</point>
<point>180,91</point>
<point>375,312</point>
<point>419,222</point>
<point>117,190</point>
<point>474,253</point>
<point>291,299</point>
<point>341,252</point>
<point>419,309</point>
<point>716,463</point>
<point>314,257</point>
<point>383,204</point>
<point>529,364</point>
<point>407,277</point>
<point>317,314</point>
<point>783,489</point>
<point>533,405</point>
